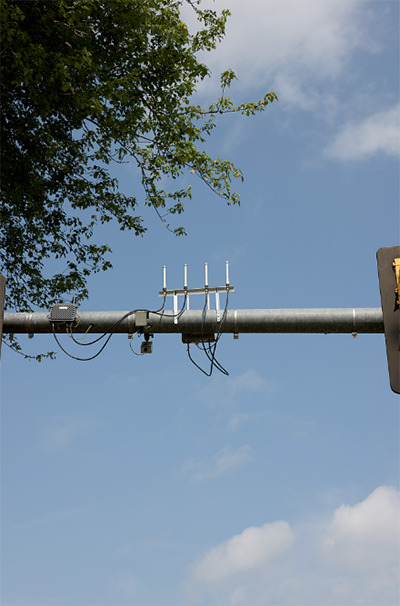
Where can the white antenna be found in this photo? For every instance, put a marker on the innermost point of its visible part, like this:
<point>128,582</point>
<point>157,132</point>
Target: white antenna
<point>185,287</point>
<point>185,291</point>
<point>206,286</point>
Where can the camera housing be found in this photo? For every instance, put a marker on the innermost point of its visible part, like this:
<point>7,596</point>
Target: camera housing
<point>146,347</point>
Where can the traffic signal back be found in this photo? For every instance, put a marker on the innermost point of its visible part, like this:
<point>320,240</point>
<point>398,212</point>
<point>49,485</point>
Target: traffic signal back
<point>388,260</point>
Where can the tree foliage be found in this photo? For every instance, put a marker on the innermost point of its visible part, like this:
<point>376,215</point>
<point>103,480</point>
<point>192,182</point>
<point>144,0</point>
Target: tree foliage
<point>85,83</point>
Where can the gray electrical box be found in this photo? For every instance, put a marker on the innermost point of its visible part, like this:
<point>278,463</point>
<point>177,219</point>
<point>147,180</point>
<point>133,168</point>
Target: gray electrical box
<point>141,318</point>
<point>189,337</point>
<point>63,312</point>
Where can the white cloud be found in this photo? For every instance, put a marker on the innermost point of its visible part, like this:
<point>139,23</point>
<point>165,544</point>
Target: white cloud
<point>246,551</point>
<point>63,429</point>
<point>224,460</point>
<point>286,45</point>
<point>365,537</point>
<point>247,381</point>
<point>378,133</point>
<point>126,584</point>
<point>238,418</point>
<point>239,595</point>
<point>352,558</point>
<point>219,391</point>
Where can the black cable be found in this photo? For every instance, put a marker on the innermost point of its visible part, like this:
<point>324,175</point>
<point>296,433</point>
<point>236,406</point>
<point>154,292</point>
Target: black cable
<point>178,315</point>
<point>210,349</point>
<point>199,367</point>
<point>111,331</point>
<point>74,357</point>
<point>116,324</point>
<point>130,345</point>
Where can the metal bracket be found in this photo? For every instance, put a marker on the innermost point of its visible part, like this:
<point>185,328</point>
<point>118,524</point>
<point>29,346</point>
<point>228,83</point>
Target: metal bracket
<point>217,306</point>
<point>190,337</point>
<point>396,266</point>
<point>175,308</point>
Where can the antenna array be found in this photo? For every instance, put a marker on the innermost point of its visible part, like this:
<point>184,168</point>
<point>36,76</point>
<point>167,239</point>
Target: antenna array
<point>206,290</point>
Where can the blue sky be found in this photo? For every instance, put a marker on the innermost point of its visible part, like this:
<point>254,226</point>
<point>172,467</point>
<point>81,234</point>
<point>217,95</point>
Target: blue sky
<point>139,481</point>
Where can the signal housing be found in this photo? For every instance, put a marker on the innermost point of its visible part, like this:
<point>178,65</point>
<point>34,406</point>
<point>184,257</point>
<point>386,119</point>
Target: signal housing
<point>390,297</point>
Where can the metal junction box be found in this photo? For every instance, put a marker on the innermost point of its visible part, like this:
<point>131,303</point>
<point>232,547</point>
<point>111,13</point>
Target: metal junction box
<point>63,312</point>
<point>141,318</point>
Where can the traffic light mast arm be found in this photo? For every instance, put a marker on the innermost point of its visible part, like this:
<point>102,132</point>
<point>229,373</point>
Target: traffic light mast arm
<point>207,326</point>
<point>348,320</point>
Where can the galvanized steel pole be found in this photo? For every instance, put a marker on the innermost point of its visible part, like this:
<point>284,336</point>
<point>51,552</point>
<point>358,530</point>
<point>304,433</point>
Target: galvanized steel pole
<point>348,320</point>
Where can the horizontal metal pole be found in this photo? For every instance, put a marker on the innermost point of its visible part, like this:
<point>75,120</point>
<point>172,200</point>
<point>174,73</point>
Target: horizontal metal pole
<point>349,320</point>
